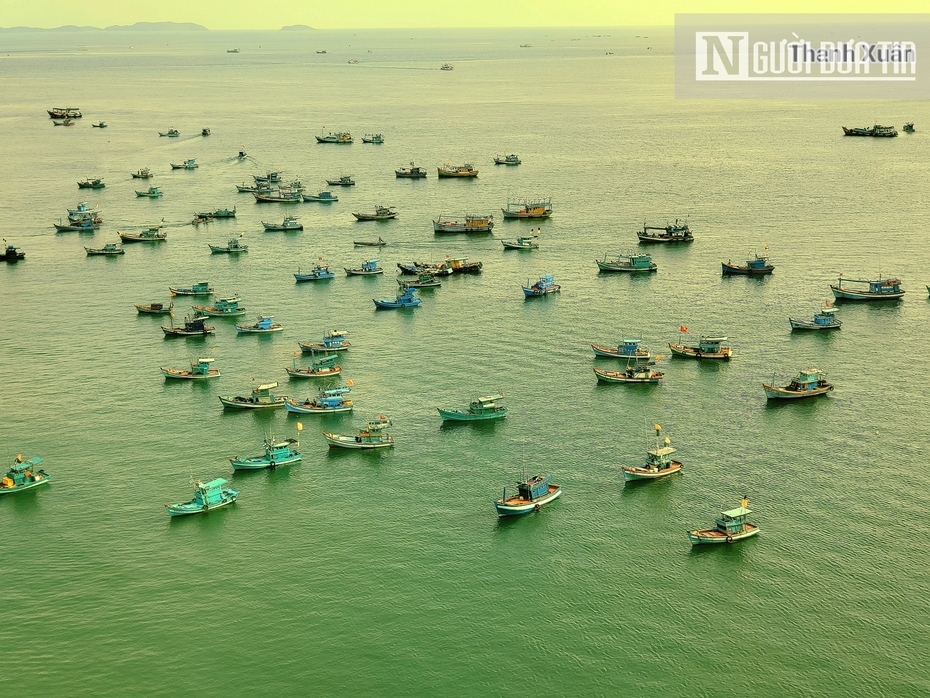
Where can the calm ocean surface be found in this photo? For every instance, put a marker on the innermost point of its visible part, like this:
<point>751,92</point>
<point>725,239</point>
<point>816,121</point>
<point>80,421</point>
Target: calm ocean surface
<point>389,573</point>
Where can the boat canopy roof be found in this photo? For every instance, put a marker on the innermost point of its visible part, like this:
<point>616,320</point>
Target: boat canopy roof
<point>207,360</point>
<point>734,513</point>
<point>337,333</point>
<point>490,398</point>
<point>267,386</point>
<point>715,340</point>
<point>212,485</point>
<point>664,451</point>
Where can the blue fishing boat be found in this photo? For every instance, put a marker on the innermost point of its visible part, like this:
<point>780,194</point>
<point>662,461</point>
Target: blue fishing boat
<point>333,340</point>
<point>543,287</point>
<point>289,223</point>
<point>24,475</point>
<point>659,462</point>
<point>731,527</point>
<point>524,242</point>
<point>261,399</point>
<point>199,289</point>
<point>320,272</point>
<point>407,298</point>
<point>264,325</point>
<point>823,320</point>
<point>627,349</point>
<point>481,408</point>
<point>322,367</point>
<point>324,197</point>
<point>231,247</point>
<point>170,133</point>
<point>207,496</point>
<point>707,348</point>
<point>366,439</point>
<point>808,383</point>
<point>84,209</point>
<point>758,265</point>
<point>632,263</point>
<point>368,268</point>
<point>532,495</point>
<point>222,307</point>
<point>151,192</point>
<point>189,164</point>
<point>86,225</point>
<point>192,327</point>
<point>276,453</point>
<point>328,401</point>
<point>200,370</point>
<point>879,290</point>
<point>511,159</point>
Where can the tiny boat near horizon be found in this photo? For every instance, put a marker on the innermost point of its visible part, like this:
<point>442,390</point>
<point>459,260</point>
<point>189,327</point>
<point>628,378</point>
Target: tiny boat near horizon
<point>24,475</point>
<point>532,495</point>
<point>372,437</point>
<point>200,370</point>
<point>480,408</point>
<point>730,527</point>
<point>824,319</point>
<point>879,290</point>
<point>207,496</point>
<point>260,399</point>
<point>808,383</point>
<point>659,462</point>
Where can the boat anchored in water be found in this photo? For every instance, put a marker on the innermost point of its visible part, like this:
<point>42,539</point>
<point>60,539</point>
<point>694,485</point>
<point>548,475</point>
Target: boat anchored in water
<point>192,327</point>
<point>222,307</point>
<point>822,320</point>
<point>264,325</point>
<point>289,223</point>
<point>95,183</point>
<point>633,373</point>
<point>261,399</point>
<point>424,280</point>
<point>382,213</point>
<point>627,349</point>
<point>333,340</point>
<point>144,173</point>
<point>189,164</point>
<point>231,247</point>
<point>875,131</point>
<point>707,348</point>
<point>879,290</point>
<point>343,181</point>
<point>450,170</point>
<point>808,383</point>
<point>369,268</point>
<point>524,242</point>
<point>481,408</point>
<point>375,138</point>
<point>673,232</point>
<point>320,272</point>
<point>407,298</point>
<point>322,367</point>
<point>659,462</point>
<point>511,159</point>
<point>473,224</point>
<point>199,289</point>
<point>207,496</point>
<point>24,475</point>
<point>324,197</point>
<point>758,265</point>
<point>154,308</point>
<point>276,453</point>
<point>731,527</point>
<point>412,172</point>
<point>328,401</point>
<point>170,133</point>
<point>369,243</point>
<point>151,192</point>
<point>543,287</point>
<point>372,437</point>
<point>527,208</point>
<point>200,370</point>
<point>108,250</point>
<point>153,234</point>
<point>629,263</point>
<point>340,138</point>
<point>532,495</point>
<point>12,254</point>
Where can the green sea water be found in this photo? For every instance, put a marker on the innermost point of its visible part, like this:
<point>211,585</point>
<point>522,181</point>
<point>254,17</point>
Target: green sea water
<point>389,573</point>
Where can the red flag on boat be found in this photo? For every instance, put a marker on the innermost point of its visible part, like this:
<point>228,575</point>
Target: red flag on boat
<point>682,328</point>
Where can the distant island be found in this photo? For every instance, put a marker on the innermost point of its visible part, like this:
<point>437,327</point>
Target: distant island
<point>137,27</point>
<point>297,27</point>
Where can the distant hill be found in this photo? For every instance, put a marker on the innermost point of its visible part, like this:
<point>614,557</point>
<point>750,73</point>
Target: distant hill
<point>137,27</point>
<point>297,27</point>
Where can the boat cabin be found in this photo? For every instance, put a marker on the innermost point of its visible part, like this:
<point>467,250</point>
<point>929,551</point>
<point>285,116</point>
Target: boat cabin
<point>534,488</point>
<point>210,493</point>
<point>731,522</point>
<point>21,472</point>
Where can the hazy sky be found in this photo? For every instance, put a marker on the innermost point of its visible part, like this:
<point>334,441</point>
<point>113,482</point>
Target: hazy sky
<point>273,14</point>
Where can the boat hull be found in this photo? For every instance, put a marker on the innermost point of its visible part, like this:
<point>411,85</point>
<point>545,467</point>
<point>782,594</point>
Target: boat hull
<point>517,246</point>
<point>650,377</point>
<point>524,214</point>
<point>186,509</point>
<point>309,408</point>
<point>695,353</point>
<point>39,480</point>
<point>353,442</point>
<point>309,373</point>
<point>303,278</point>
<point>807,325</point>
<point>394,305</point>
<point>658,239</point>
<point>628,268</point>
<point>845,294</point>
<point>515,506</point>
<point>244,403</point>
<point>188,375</point>
<point>712,536</point>
<point>323,347</point>
<point>631,473</point>
<point>610,353</point>
<point>263,462</point>
<point>149,310</point>
<point>775,393</point>
<point>734,270</point>
<point>464,416</point>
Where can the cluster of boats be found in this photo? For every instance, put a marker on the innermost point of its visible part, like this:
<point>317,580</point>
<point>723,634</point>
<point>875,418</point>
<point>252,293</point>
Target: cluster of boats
<point>877,131</point>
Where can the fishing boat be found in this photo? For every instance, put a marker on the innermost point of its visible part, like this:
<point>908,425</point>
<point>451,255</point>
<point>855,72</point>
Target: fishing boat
<point>446,66</point>
<point>320,272</point>
<point>100,124</point>
<point>170,133</point>
<point>242,154</point>
<point>627,349</point>
<point>418,268</point>
<point>631,262</point>
<point>276,453</point>
<point>144,173</point>
<point>109,249</point>
<point>730,527</point>
<point>808,383</point>
<point>151,192</point>
<point>231,247</point>
<point>289,223</point>
<point>481,408</point>
<point>13,254</point>
<point>543,287</point>
<point>424,280</point>
<point>218,213</point>
<point>526,208</point>
<point>199,289</point>
<point>369,243</point>
<point>507,160</point>
<point>256,186</point>
<point>375,138</point>
<point>672,232</point>
<point>461,265</point>
<point>328,401</point>
<point>407,298</point>
<point>154,308</point>
<point>340,138</point>
<point>879,290</point>
<point>707,348</point>
<point>324,197</point>
<point>221,307</point>
<point>824,319</point>
<point>450,170</point>
<point>368,268</point>
<point>633,374</point>
<point>260,399</point>
<point>412,172</point>
<point>232,50</point>
<point>153,234</point>
<point>207,496</point>
<point>84,210</point>
<point>908,127</point>
<point>79,226</point>
<point>95,183</point>
<point>758,265</point>
<point>343,181</point>
<point>66,122</point>
<point>472,224</point>
<point>263,325</point>
<point>192,327</point>
<point>382,213</point>
<point>189,164</point>
<point>322,367</point>
<point>24,475</point>
<point>659,462</point>
<point>274,176</point>
<point>64,113</point>
<point>532,495</point>
<point>333,340</point>
<point>200,370</point>
<point>204,132</point>
<point>283,195</point>
<point>372,437</point>
<point>524,242</point>
<point>875,131</point>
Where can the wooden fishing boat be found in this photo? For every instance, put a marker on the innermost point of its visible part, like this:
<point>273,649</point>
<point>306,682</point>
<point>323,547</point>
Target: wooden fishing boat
<point>154,308</point>
<point>543,287</point>
<point>328,401</point>
<point>460,171</point>
<point>333,340</point>
<point>13,254</point>
<point>369,243</point>
<point>707,348</point>
<point>673,232</point>
<point>84,210</point>
<point>151,192</point>
<point>276,453</point>
<point>524,242</point>
<point>108,250</point>
<point>418,268</point>
<point>283,195</point>
<point>659,462</point>
<point>170,133</point>
<point>222,307</point>
<point>64,113</point>
<point>486,407</point>
<point>231,247</point>
<point>200,370</point>
<point>144,173</point>
<point>382,213</point>
<point>153,234</point>
<point>405,299</point>
<point>192,327</point>
<point>631,263</point>
<point>324,197</point>
<point>473,224</point>
<point>260,399</point>
<point>460,266</point>
<point>808,383</point>
<point>628,349</point>
<point>218,213</point>
<point>372,437</point>
<point>273,176</point>
<point>199,289</point>
<point>875,131</point>
<point>532,495</point>
<point>264,187</point>
<point>338,138</point>
<point>24,475</point>
<point>343,181</point>
<point>368,268</point>
<point>424,280</point>
<point>730,527</point>
<point>322,367</point>
<point>528,208</point>
<point>412,172</point>
<point>96,183</point>
<point>879,290</point>
<point>290,223</point>
<point>320,272</point>
<point>822,320</point>
<point>264,325</point>
<point>633,374</point>
<point>511,159</point>
<point>758,265</point>
<point>207,496</point>
<point>375,138</point>
<point>83,226</point>
<point>189,164</point>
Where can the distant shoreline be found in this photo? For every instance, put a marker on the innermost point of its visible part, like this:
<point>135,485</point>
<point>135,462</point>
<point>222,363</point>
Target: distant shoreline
<point>138,26</point>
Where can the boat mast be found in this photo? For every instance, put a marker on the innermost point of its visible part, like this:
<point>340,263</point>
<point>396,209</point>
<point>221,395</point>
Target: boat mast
<point>300,428</point>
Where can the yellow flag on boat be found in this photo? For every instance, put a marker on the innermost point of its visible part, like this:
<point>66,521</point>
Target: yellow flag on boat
<point>659,357</point>
<point>667,441</point>
<point>300,426</point>
<point>658,428</point>
<point>745,503</point>
<point>350,382</point>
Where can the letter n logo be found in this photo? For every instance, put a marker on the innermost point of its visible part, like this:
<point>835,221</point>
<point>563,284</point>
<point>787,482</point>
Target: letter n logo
<point>721,55</point>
